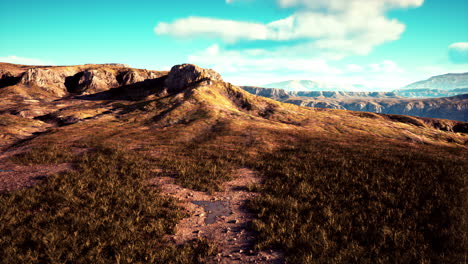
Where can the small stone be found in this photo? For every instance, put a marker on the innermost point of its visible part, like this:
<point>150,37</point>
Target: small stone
<point>235,221</point>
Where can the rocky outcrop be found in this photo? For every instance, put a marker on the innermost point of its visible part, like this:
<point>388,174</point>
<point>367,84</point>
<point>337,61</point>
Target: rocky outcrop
<point>185,75</point>
<point>131,77</point>
<point>7,78</point>
<point>273,93</point>
<point>50,80</point>
<point>59,81</point>
<point>91,81</point>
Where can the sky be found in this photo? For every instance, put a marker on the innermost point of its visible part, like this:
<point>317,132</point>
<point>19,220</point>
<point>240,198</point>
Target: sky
<point>381,44</point>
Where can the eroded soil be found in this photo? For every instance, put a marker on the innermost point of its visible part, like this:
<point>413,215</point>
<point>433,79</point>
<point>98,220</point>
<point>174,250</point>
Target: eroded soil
<point>221,218</point>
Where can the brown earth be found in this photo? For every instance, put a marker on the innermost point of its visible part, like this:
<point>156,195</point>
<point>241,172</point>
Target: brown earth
<point>231,232</point>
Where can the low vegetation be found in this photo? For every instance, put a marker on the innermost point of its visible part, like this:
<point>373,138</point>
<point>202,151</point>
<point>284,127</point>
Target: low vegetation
<point>198,170</point>
<point>325,202</point>
<point>45,154</point>
<point>103,212</point>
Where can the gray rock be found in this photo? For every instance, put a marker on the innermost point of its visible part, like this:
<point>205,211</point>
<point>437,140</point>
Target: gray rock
<point>185,75</point>
<point>47,79</point>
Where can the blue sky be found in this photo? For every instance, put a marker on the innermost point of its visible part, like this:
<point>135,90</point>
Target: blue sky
<point>382,44</point>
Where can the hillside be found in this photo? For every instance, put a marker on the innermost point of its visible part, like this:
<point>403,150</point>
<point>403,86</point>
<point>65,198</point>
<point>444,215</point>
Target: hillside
<point>454,108</point>
<point>108,164</point>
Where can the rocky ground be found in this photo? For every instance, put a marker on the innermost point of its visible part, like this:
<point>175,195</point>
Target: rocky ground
<point>221,217</point>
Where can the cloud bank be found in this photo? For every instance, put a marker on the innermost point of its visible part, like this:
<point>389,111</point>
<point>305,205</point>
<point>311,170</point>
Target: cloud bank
<point>341,26</point>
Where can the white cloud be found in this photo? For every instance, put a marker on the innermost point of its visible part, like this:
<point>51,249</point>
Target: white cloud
<point>458,52</point>
<point>346,4</point>
<point>228,30</point>
<point>345,27</point>
<point>459,46</point>
<point>25,61</point>
<point>387,66</point>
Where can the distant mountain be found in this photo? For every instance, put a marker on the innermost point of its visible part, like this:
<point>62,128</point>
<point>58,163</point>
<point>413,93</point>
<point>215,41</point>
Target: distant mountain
<point>437,86</point>
<point>308,85</point>
<point>432,93</point>
<point>454,108</point>
<point>278,94</point>
<point>448,81</point>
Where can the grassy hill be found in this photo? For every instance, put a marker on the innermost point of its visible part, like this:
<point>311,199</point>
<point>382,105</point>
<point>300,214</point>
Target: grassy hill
<point>337,186</point>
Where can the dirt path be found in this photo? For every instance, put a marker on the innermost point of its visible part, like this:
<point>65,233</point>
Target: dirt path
<point>221,218</point>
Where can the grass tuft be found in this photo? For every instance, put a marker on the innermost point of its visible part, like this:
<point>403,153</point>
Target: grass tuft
<point>48,154</point>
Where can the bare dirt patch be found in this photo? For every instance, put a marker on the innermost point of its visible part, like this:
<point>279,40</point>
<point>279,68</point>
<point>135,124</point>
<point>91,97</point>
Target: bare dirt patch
<point>221,217</point>
<point>15,177</point>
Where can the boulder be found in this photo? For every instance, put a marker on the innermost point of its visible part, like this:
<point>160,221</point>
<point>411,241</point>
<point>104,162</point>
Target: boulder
<point>185,75</point>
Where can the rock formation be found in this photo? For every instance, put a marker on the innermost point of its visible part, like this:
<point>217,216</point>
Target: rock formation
<point>48,79</point>
<point>87,79</point>
<point>185,75</point>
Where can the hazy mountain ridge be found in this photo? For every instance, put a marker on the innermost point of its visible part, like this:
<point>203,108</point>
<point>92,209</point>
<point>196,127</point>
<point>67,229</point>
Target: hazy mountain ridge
<point>430,93</point>
<point>315,86</point>
<point>277,93</point>
<point>448,81</point>
<point>446,85</point>
<point>455,108</point>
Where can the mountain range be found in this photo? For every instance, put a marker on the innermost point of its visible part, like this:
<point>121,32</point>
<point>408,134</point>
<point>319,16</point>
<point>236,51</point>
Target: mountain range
<point>455,108</point>
<point>308,85</point>
<point>437,86</point>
